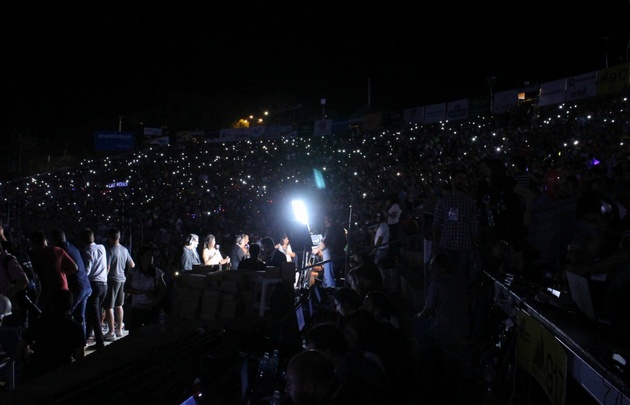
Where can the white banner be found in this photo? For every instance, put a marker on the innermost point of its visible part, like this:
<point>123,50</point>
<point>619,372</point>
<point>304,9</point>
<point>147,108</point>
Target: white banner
<point>552,92</point>
<point>153,131</point>
<point>413,116</point>
<point>581,86</point>
<point>457,110</point>
<point>163,140</point>
<point>322,128</point>
<point>235,134</point>
<point>434,113</point>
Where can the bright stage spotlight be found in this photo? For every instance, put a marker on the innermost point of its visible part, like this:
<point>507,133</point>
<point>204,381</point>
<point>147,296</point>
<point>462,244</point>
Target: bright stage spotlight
<point>299,212</point>
<point>299,233</point>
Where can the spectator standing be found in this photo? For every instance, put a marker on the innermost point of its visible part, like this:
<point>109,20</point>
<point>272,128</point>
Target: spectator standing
<point>444,318</point>
<point>381,239</point>
<point>78,282</point>
<point>119,261</point>
<point>392,213</point>
<point>398,335</point>
<point>95,260</point>
<point>271,255</point>
<point>507,205</point>
<point>285,247</point>
<point>332,247</point>
<point>52,265</point>
<point>428,214</point>
<point>455,225</point>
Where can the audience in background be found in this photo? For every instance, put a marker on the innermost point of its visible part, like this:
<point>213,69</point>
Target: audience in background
<point>423,157</point>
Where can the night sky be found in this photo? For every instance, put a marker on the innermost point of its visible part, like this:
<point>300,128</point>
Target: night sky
<point>69,65</point>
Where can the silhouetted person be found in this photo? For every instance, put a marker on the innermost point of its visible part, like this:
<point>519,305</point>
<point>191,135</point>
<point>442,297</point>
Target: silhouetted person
<point>332,248</point>
<point>310,378</point>
<point>54,338</point>
<point>78,282</point>
<point>253,262</point>
<point>270,255</point>
<point>351,366</point>
<point>52,265</point>
<point>147,287</point>
<point>444,318</point>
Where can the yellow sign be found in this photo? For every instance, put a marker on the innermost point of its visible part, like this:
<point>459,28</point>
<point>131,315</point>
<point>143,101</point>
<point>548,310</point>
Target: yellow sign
<point>614,79</point>
<point>540,354</point>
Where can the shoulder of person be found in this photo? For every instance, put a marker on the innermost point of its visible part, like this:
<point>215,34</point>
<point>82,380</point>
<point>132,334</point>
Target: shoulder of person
<point>8,259</point>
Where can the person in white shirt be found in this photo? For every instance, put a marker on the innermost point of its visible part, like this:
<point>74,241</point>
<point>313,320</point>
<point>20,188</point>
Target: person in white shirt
<point>285,247</point>
<point>381,240</point>
<point>210,254</point>
<point>95,259</point>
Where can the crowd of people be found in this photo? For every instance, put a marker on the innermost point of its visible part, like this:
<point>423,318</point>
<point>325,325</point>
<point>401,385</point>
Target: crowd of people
<point>85,285</point>
<point>459,192</point>
<point>164,193</point>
